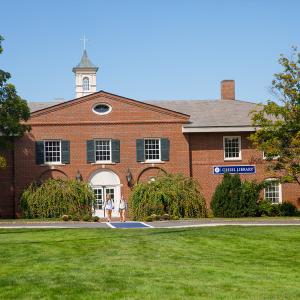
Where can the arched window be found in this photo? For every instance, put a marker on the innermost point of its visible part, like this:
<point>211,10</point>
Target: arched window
<point>85,84</point>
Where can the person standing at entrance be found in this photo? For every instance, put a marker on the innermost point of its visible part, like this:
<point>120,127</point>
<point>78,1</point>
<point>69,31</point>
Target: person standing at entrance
<point>122,209</point>
<point>109,206</point>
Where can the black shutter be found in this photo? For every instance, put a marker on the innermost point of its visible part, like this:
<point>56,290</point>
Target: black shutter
<point>165,149</point>
<point>65,152</point>
<point>140,150</point>
<point>90,151</point>
<point>115,151</point>
<point>39,152</point>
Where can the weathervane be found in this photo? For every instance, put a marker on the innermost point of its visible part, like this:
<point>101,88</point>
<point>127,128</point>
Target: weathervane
<point>84,41</point>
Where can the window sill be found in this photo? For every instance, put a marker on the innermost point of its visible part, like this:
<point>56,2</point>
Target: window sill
<point>103,163</point>
<point>153,162</point>
<point>52,164</point>
<point>232,159</point>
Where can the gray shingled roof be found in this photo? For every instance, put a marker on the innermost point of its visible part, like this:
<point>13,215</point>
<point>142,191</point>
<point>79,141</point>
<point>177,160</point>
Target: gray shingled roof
<point>211,113</point>
<point>35,106</point>
<point>85,63</point>
<point>204,113</point>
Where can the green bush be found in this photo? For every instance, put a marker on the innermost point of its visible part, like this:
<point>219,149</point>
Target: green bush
<point>57,197</point>
<point>172,194</point>
<point>96,219</point>
<point>266,208</point>
<point>87,218</point>
<point>288,209</point>
<point>75,218</point>
<point>234,198</point>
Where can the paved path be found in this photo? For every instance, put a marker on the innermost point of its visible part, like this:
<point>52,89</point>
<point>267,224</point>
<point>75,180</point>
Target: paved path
<point>159,224</point>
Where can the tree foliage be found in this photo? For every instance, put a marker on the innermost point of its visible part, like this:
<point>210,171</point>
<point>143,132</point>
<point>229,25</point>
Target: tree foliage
<point>172,194</point>
<point>57,197</point>
<point>13,111</point>
<point>278,125</point>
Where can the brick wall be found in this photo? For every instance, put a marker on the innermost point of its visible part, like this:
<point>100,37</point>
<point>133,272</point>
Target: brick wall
<point>6,187</point>
<point>207,151</point>
<point>78,124</point>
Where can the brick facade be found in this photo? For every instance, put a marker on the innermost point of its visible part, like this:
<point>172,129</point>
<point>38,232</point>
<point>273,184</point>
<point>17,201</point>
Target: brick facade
<point>190,153</point>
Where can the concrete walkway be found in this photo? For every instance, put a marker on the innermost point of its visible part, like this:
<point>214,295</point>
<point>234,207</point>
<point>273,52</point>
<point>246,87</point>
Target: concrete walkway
<point>158,224</point>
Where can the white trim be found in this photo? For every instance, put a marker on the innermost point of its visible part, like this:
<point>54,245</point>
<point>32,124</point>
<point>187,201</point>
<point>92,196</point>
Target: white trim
<point>219,129</point>
<point>46,163</point>
<point>274,158</point>
<point>103,162</point>
<point>101,114</point>
<point>109,225</point>
<point>240,147</point>
<point>146,224</point>
<point>279,189</point>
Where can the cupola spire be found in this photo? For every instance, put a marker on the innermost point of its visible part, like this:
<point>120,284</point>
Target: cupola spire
<point>85,75</point>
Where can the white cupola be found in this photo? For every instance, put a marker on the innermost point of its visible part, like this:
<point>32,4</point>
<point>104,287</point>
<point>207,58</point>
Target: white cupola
<point>85,76</point>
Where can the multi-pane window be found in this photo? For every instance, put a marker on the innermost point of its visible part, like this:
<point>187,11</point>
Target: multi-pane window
<point>266,156</point>
<point>152,149</point>
<point>85,84</point>
<point>232,147</point>
<point>99,198</point>
<point>103,150</point>
<point>52,151</point>
<point>273,191</point>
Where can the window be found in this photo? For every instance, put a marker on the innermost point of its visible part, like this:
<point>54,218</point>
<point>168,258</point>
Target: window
<point>52,151</point>
<point>102,109</point>
<point>85,84</point>
<point>152,149</point>
<point>267,158</point>
<point>99,198</point>
<point>273,191</point>
<point>232,147</point>
<point>103,150</point>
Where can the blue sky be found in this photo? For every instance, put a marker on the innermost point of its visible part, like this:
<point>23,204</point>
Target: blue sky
<point>155,49</point>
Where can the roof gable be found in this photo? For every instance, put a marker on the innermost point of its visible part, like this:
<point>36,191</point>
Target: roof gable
<point>124,110</point>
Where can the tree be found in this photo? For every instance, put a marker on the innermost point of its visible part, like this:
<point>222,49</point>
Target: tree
<point>13,112</point>
<point>278,125</point>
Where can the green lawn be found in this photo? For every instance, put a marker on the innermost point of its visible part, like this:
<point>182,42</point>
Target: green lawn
<point>197,263</point>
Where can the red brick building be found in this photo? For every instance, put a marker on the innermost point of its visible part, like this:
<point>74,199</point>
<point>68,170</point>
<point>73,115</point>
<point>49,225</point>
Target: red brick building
<point>113,142</point>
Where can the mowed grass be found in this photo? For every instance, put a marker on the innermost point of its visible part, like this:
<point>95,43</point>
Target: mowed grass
<point>196,263</point>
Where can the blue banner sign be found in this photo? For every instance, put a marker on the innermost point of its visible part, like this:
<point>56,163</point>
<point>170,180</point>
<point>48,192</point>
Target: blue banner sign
<point>234,169</point>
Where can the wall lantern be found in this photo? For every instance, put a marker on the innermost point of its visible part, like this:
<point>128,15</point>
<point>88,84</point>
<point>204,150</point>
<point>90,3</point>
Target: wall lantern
<point>128,177</point>
<point>78,176</point>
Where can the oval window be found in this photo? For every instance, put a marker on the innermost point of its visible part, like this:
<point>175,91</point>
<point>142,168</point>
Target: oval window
<point>102,109</point>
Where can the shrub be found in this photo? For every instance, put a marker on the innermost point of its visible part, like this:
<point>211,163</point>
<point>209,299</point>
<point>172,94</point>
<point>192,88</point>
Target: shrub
<point>57,197</point>
<point>75,218</point>
<point>226,197</point>
<point>234,198</point>
<point>172,194</point>
<point>249,198</point>
<point>96,219</point>
<point>266,208</point>
<point>149,219</point>
<point>65,217</point>
<point>288,209</point>
<point>87,218</point>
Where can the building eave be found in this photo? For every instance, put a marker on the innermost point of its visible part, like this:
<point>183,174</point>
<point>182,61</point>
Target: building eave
<point>219,129</point>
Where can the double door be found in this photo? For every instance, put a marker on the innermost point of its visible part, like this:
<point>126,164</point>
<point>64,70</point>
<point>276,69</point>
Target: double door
<point>101,194</point>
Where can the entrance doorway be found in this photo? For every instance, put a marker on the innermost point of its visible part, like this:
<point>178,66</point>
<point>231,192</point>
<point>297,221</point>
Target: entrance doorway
<point>103,183</point>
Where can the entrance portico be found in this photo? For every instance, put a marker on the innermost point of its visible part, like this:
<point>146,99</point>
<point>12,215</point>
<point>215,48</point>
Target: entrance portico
<point>105,182</point>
